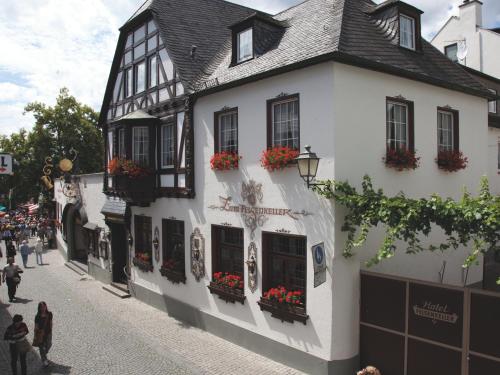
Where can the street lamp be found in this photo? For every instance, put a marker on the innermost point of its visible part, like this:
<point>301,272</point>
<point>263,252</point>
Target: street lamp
<point>307,163</point>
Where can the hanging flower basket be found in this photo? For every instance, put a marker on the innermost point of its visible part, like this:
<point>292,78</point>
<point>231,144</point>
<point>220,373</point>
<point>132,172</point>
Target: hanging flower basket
<point>451,161</point>
<point>277,158</point>
<point>401,159</point>
<point>224,161</point>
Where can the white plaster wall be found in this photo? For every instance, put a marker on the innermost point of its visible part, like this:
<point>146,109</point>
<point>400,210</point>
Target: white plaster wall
<point>92,200</point>
<point>360,134</point>
<point>493,149</point>
<point>483,45</point>
<point>282,189</point>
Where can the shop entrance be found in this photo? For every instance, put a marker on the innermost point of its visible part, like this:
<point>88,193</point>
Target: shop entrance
<point>119,253</point>
<point>409,327</point>
<point>74,234</point>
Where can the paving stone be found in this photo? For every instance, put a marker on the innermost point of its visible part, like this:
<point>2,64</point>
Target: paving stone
<point>97,333</point>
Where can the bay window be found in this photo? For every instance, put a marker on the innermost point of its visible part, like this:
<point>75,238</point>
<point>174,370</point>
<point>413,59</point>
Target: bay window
<point>167,146</point>
<point>140,145</point>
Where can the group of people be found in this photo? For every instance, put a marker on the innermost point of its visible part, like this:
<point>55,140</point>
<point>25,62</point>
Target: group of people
<point>16,334</point>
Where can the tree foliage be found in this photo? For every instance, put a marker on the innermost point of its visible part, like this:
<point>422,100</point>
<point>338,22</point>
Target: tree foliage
<point>471,221</point>
<point>67,125</point>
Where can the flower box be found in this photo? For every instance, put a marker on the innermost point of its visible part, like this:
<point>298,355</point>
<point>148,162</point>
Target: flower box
<point>451,161</point>
<point>176,277</point>
<point>226,293</point>
<point>224,161</point>
<point>142,264</point>
<point>401,159</point>
<point>284,311</point>
<point>277,158</point>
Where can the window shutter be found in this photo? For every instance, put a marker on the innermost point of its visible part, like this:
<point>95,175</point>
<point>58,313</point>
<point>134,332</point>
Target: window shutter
<point>216,132</point>
<point>411,127</point>
<point>456,133</point>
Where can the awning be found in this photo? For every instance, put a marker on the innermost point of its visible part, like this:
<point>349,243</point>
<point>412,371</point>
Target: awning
<point>91,226</point>
<point>115,209</point>
<point>3,208</point>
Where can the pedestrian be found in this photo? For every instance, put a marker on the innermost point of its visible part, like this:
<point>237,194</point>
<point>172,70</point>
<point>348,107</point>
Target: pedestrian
<point>39,252</point>
<point>11,250</point>
<point>50,237</point>
<point>11,276</point>
<point>24,249</point>
<point>33,229</point>
<point>43,331</point>
<point>6,234</point>
<point>19,346</point>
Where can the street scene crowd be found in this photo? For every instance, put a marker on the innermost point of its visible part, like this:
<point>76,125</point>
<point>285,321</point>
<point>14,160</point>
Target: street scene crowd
<point>17,227</point>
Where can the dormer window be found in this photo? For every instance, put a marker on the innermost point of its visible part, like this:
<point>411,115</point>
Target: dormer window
<point>245,45</point>
<point>406,32</point>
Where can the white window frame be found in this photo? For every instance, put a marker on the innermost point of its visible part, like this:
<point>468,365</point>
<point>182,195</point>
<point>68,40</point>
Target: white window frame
<point>291,122</point>
<point>122,151</point>
<point>146,147</point>
<point>445,147</point>
<point>492,105</point>
<point>446,48</point>
<point>241,58</point>
<point>398,142</point>
<point>162,143</point>
<point>412,31</point>
<point>234,127</point>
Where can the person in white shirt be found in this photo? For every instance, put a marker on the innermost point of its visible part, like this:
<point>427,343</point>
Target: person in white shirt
<point>39,251</point>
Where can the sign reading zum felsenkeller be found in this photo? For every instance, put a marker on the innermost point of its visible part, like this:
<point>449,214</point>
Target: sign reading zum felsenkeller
<point>253,215</point>
<point>5,164</point>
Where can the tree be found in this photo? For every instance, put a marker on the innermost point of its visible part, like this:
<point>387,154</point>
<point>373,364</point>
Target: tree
<point>67,125</point>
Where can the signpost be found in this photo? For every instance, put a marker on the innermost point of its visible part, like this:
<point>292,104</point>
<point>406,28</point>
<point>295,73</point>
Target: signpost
<point>319,261</point>
<point>6,164</point>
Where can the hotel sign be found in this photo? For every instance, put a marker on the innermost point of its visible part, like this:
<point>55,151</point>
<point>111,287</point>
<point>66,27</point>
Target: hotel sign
<point>5,164</point>
<point>435,312</point>
<point>253,215</point>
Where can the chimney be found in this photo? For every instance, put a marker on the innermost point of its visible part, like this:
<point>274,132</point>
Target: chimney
<point>471,12</point>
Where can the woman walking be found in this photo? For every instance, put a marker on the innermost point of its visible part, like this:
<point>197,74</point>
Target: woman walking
<point>19,346</point>
<point>43,331</point>
<point>11,275</point>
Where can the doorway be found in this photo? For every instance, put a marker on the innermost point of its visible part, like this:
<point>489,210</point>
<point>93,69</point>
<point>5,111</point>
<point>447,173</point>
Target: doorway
<point>119,253</point>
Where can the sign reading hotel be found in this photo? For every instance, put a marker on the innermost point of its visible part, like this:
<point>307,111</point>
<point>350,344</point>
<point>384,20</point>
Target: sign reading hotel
<point>253,215</point>
<point>435,312</point>
<point>5,164</point>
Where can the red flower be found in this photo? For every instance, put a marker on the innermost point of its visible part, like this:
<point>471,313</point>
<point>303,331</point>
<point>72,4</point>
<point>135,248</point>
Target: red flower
<point>224,161</point>
<point>451,161</point>
<point>228,280</point>
<point>401,158</point>
<point>277,157</point>
<point>282,296</point>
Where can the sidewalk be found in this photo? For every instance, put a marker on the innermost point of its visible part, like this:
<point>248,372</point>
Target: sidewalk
<point>97,333</point>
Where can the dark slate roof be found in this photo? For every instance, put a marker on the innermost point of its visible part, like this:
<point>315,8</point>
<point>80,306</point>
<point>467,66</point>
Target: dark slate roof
<point>348,31</point>
<point>496,30</point>
<point>115,207</point>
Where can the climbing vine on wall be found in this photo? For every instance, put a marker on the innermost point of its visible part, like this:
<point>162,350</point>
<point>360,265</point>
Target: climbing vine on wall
<point>473,221</point>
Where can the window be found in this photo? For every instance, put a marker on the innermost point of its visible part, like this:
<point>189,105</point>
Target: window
<point>227,250</point>
<point>492,105</point>
<point>399,131</point>
<point>407,31</point>
<point>283,122</point>
<point>284,262</point>
<point>226,131</point>
<point>143,235</point>
<point>122,152</point>
<point>92,242</point>
<point>173,245</point>
<point>498,156</point>
<point>447,129</point>
<point>245,45</point>
<point>140,145</point>
<point>128,83</point>
<point>140,77</point>
<point>451,52</point>
<point>167,146</point>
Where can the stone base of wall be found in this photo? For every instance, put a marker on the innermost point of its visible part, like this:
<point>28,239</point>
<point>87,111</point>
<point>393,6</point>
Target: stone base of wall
<point>247,339</point>
<point>100,274</point>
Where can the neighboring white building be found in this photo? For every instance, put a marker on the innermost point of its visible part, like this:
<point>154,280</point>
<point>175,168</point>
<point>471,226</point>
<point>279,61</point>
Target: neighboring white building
<point>464,39</point>
<point>198,77</point>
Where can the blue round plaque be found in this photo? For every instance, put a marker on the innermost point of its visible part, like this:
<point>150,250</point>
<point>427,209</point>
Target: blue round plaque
<point>319,254</point>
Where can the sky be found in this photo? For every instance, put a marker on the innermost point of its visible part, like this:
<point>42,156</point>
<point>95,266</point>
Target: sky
<point>49,44</point>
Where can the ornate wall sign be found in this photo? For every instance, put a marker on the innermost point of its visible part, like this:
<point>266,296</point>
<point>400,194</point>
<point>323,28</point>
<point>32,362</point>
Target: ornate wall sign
<point>197,254</point>
<point>252,267</point>
<point>156,244</point>
<point>254,216</point>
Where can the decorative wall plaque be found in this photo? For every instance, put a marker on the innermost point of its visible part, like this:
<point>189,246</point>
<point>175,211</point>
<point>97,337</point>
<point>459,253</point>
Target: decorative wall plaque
<point>197,254</point>
<point>252,267</point>
<point>156,244</point>
<point>254,216</point>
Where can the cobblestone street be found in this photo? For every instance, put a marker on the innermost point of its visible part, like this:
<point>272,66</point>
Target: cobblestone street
<point>98,333</point>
